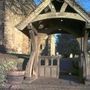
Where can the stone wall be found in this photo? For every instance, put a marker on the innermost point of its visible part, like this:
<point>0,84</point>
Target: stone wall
<point>12,39</point>
<point>1,21</point>
<point>15,40</point>
<point>2,49</point>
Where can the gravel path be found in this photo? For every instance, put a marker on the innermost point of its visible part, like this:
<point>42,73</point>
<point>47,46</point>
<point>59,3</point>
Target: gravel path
<point>48,84</point>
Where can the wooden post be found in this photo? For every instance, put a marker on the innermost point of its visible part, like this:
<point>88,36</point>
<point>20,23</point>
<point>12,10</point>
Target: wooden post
<point>80,43</point>
<point>82,70</point>
<point>29,67</point>
<point>32,66</point>
<point>37,57</point>
<point>58,66</point>
<point>87,61</point>
<point>80,61</point>
<point>85,52</point>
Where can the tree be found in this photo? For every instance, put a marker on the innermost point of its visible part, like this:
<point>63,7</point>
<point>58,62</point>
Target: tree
<point>74,47</point>
<point>67,44</point>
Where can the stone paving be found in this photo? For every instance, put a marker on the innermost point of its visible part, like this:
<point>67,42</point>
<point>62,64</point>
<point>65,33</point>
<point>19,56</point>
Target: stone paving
<point>48,84</point>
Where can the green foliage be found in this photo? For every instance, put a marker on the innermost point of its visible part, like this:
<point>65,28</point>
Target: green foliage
<point>67,44</point>
<point>5,66</point>
<point>75,64</point>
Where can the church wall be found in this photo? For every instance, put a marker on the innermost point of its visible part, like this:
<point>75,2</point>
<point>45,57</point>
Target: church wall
<point>15,40</point>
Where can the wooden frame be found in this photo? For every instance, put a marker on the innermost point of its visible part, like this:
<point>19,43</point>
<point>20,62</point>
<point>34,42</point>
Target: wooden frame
<point>64,6</point>
<point>58,15</point>
<point>29,67</point>
<point>49,67</point>
<point>35,15</point>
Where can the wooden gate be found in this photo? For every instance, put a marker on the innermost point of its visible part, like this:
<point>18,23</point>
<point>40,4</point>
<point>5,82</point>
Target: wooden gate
<point>48,66</point>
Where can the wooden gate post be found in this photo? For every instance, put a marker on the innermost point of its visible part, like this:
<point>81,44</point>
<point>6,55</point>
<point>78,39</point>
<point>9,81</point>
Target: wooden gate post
<point>35,67</point>
<point>87,60</point>
<point>29,67</point>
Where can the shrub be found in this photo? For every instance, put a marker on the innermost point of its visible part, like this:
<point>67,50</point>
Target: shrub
<point>5,66</point>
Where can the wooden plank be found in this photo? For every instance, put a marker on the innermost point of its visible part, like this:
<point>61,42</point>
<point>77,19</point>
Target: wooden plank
<point>50,70</point>
<point>47,71</point>
<point>58,15</point>
<point>54,72</point>
<point>33,15</point>
<point>64,6</point>
<point>58,66</point>
<point>52,8</point>
<point>41,71</point>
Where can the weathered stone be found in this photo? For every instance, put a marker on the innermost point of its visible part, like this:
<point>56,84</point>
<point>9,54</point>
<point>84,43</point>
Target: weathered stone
<point>13,40</point>
<point>16,41</point>
<point>1,21</point>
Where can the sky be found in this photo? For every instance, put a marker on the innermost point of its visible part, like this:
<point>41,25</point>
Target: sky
<point>37,2</point>
<point>85,4</point>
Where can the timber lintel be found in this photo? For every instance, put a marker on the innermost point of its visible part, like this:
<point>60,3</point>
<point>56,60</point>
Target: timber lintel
<point>58,15</point>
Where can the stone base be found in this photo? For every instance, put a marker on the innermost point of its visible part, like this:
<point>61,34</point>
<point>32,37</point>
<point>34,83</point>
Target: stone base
<point>87,82</point>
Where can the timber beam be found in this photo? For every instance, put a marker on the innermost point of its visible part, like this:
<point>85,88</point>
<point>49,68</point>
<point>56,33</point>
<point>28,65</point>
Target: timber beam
<point>52,8</point>
<point>52,15</point>
<point>33,15</point>
<point>64,6</point>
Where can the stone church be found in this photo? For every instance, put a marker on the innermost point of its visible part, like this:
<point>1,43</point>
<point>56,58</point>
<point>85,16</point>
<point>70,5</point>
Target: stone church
<point>11,39</point>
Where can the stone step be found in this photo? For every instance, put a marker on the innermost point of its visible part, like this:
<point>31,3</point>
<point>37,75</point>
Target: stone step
<point>64,83</point>
<point>46,87</point>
